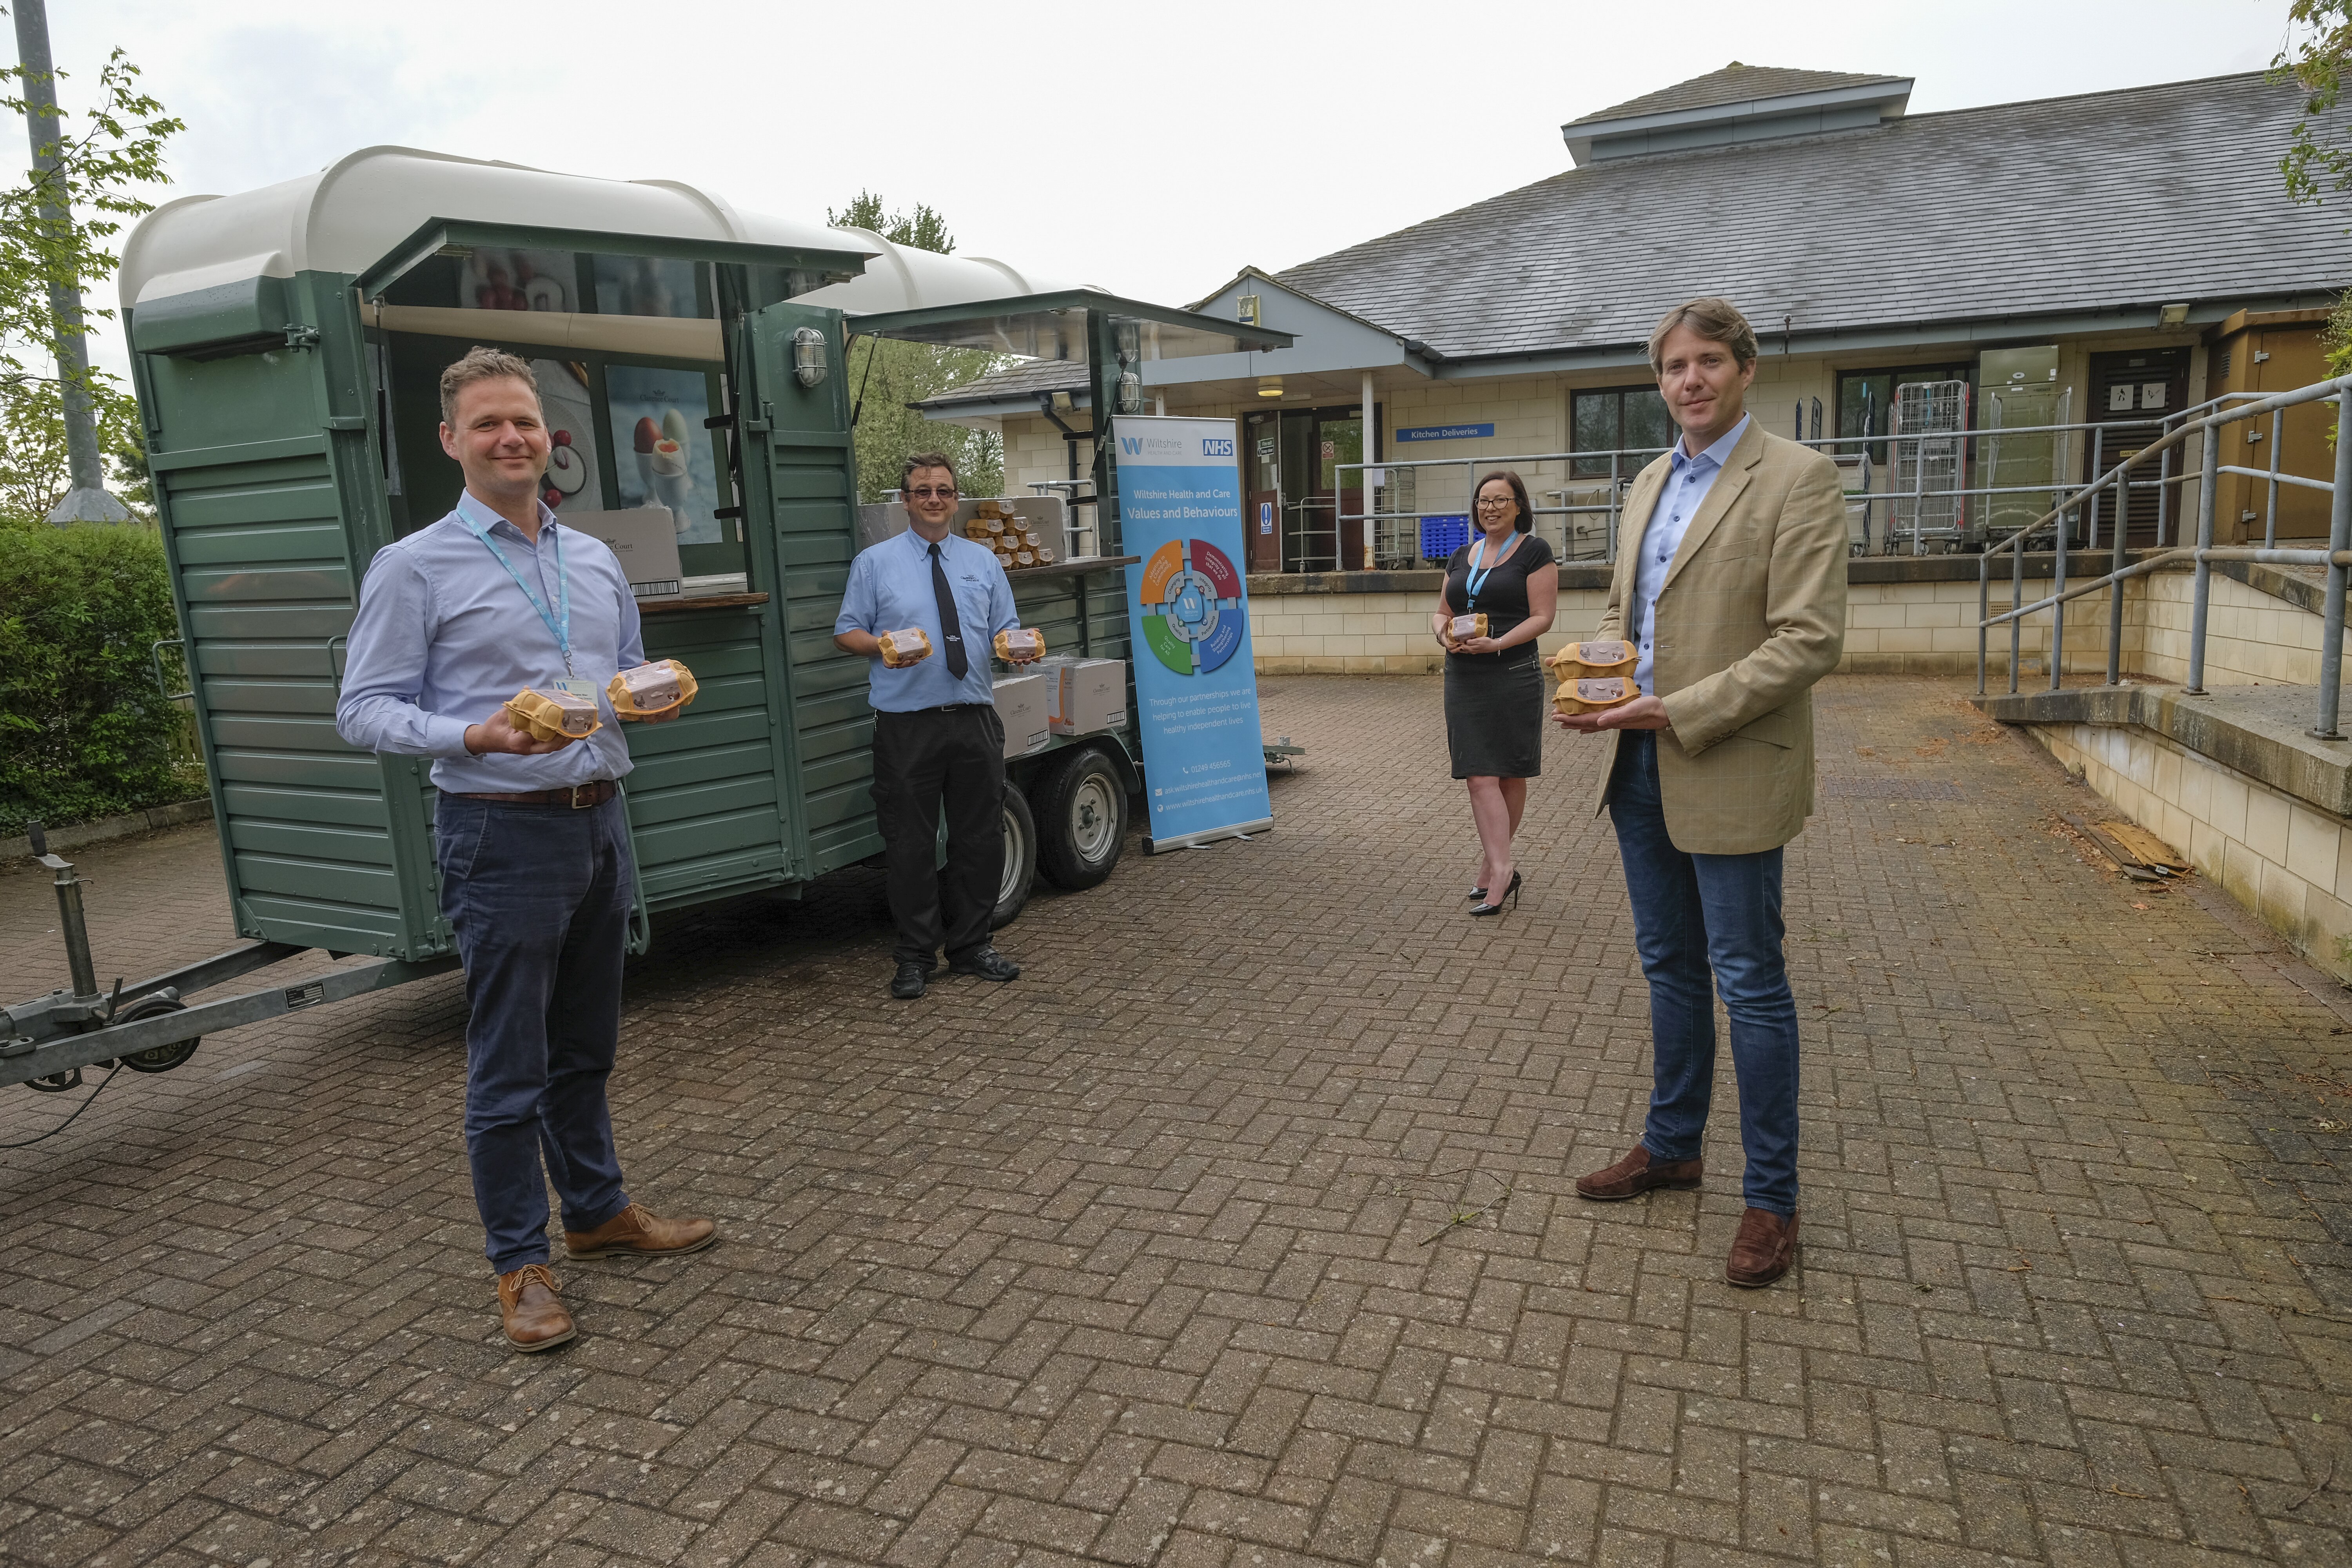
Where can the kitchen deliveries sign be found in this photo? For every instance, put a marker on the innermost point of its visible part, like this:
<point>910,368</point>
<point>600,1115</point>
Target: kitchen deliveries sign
<point>1195,680</point>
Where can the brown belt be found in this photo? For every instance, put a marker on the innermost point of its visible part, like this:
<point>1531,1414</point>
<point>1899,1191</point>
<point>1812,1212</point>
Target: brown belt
<point>578,798</point>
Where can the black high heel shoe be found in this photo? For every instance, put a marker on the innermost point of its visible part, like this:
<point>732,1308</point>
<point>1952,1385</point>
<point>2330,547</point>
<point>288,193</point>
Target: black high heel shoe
<point>1478,912</point>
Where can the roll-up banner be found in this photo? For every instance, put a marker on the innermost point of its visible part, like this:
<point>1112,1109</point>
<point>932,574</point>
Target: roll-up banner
<point>1196,677</point>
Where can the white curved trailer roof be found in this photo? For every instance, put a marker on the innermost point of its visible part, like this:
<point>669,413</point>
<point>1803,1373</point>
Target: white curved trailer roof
<point>345,217</point>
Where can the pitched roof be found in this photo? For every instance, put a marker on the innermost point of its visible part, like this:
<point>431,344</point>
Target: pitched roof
<point>2063,205</point>
<point>1735,83</point>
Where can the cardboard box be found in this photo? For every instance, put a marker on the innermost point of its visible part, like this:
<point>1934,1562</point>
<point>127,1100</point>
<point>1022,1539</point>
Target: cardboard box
<point>1090,694</point>
<point>646,541</point>
<point>1021,702</point>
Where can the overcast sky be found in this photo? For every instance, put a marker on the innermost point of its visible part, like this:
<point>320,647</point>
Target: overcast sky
<point>1152,148</point>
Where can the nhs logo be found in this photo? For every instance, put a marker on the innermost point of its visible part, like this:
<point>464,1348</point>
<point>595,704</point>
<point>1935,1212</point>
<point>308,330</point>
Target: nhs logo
<point>1216,446</point>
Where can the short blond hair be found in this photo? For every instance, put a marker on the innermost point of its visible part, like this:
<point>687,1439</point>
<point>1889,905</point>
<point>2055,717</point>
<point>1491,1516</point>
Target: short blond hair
<point>1712,317</point>
<point>481,364</point>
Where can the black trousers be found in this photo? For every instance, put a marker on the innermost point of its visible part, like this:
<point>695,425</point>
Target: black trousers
<point>951,757</point>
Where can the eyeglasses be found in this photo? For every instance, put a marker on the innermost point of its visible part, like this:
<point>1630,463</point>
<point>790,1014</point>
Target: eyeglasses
<point>1496,503</point>
<point>926,493</point>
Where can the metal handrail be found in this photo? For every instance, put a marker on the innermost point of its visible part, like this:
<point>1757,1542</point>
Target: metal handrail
<point>1625,461</point>
<point>2337,558</point>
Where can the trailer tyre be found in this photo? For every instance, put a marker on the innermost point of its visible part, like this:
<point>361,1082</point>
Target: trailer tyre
<point>1081,810</point>
<point>162,1059</point>
<point>1020,858</point>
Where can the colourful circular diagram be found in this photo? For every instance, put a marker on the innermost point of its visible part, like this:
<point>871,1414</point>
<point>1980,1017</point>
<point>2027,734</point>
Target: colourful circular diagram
<point>1192,599</point>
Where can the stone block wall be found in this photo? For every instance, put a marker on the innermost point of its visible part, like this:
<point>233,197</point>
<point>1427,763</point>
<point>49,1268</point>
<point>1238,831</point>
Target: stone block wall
<point>2279,856</point>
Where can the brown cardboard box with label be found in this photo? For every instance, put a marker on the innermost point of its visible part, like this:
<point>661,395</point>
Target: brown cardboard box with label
<point>1021,702</point>
<point>1090,694</point>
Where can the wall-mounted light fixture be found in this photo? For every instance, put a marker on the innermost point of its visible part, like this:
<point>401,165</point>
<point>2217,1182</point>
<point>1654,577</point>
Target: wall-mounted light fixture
<point>1130,393</point>
<point>2173,316</point>
<point>1269,386</point>
<point>809,365</point>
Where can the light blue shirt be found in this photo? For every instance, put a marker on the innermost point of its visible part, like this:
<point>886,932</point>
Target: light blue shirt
<point>445,635</point>
<point>890,589</point>
<point>1687,481</point>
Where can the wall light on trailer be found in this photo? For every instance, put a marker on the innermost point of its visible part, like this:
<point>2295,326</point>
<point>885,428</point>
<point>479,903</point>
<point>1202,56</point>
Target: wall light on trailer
<point>1130,393</point>
<point>809,357</point>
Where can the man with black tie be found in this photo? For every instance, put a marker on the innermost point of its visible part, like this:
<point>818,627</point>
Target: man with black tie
<point>937,737</point>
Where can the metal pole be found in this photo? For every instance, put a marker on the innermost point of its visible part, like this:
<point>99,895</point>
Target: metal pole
<point>2339,537</point>
<point>87,500</point>
<point>1372,440</point>
<point>2164,502</point>
<point>2016,597</point>
<point>2117,561</point>
<point>1984,611</point>
<point>1918,495</point>
<point>2091,518</point>
<point>2270,523</point>
<point>1614,458</point>
<point>2209,444</point>
<point>2058,614</point>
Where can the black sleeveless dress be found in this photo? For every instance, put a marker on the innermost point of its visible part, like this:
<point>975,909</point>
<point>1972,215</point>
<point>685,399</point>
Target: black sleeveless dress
<point>1495,701</point>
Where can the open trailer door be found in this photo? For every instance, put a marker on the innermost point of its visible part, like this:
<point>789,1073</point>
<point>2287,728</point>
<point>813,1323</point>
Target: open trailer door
<point>799,477</point>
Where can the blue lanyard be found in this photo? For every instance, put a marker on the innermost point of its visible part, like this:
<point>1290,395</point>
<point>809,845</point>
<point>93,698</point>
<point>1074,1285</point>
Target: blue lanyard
<point>1477,578</point>
<point>559,626</point>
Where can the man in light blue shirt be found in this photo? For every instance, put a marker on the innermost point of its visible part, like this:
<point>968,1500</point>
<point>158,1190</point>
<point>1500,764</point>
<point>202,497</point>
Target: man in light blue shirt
<point>537,876</point>
<point>1688,479</point>
<point>939,745</point>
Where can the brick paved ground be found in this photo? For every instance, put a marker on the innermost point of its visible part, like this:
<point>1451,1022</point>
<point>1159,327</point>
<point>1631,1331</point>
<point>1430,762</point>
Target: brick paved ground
<point>1153,1257</point>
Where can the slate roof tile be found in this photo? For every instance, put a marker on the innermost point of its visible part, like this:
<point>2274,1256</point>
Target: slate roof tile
<point>2139,197</point>
<point>1735,83</point>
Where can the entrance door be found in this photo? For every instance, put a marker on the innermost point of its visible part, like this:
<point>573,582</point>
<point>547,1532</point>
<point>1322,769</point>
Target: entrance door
<point>1262,517</point>
<point>1339,438</point>
<point>2126,389</point>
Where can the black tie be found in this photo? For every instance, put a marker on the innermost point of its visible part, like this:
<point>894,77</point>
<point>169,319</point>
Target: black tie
<point>951,628</point>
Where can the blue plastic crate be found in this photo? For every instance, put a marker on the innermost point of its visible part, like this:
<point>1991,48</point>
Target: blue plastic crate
<point>1442,536</point>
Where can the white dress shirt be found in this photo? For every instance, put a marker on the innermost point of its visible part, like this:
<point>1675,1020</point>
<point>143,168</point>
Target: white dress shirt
<point>1687,481</point>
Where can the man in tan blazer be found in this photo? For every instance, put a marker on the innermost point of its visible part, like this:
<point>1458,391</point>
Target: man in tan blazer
<point>1730,583</point>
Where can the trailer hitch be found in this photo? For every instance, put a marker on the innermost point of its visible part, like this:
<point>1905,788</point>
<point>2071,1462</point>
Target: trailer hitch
<point>149,1027</point>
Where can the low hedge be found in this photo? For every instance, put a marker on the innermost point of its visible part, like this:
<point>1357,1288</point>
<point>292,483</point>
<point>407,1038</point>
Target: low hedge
<point>84,732</point>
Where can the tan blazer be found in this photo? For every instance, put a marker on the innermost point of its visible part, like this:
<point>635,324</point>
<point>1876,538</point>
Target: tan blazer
<point>1752,613</point>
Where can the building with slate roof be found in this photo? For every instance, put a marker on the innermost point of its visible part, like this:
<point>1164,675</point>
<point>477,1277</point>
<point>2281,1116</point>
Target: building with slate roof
<point>2138,242</point>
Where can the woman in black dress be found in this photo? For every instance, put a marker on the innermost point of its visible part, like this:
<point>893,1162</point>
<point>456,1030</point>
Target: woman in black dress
<point>1494,684</point>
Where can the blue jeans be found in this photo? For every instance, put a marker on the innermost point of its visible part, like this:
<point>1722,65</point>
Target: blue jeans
<point>1694,914</point>
<point>540,897</point>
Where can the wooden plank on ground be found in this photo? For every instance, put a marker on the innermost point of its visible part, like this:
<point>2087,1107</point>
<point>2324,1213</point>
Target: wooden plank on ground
<point>2151,850</point>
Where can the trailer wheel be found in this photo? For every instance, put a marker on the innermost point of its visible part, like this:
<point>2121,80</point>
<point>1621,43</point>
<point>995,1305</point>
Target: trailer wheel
<point>1020,858</point>
<point>162,1059</point>
<point>1081,810</point>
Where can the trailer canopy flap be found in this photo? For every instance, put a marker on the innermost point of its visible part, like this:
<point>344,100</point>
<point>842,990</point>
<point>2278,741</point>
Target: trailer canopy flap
<point>1054,327</point>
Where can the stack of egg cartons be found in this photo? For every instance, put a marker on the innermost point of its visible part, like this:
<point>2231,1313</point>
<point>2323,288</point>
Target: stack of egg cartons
<point>1593,675</point>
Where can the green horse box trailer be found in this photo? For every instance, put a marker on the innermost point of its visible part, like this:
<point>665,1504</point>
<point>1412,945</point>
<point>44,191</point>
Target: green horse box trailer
<point>286,350</point>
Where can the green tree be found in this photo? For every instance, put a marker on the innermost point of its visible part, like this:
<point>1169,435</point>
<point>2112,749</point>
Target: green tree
<point>103,164</point>
<point>2318,47</point>
<point>886,377</point>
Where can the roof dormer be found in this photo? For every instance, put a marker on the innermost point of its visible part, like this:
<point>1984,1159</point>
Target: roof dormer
<point>1737,103</point>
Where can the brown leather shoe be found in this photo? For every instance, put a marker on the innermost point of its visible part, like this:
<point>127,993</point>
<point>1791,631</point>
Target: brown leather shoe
<point>634,1231</point>
<point>1635,1175</point>
<point>534,1313</point>
<point>1763,1249</point>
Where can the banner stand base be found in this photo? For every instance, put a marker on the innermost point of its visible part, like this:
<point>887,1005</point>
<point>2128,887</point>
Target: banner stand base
<point>1207,836</point>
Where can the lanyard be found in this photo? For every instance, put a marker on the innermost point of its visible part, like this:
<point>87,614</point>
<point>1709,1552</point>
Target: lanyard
<point>559,626</point>
<point>1477,578</point>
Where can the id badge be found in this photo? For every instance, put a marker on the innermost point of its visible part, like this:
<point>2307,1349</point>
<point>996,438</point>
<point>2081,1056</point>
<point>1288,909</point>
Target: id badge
<point>583,690</point>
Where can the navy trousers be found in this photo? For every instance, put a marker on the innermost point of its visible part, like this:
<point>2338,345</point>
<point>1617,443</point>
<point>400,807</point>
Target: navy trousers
<point>1703,923</point>
<point>540,897</point>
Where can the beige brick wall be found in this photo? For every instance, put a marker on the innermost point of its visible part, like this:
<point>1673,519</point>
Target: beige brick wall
<point>1377,634</point>
<point>1892,628</point>
<point>2287,862</point>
